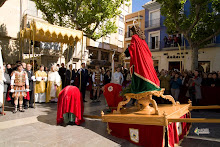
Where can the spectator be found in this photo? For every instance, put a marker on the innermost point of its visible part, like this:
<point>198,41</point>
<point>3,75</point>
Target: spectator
<point>24,66</point>
<point>205,80</point>
<point>195,94</point>
<point>70,76</point>
<point>6,80</point>
<point>184,90</point>
<point>175,83</point>
<point>215,80</point>
<point>165,81</point>
<point>62,73</point>
<point>165,39</point>
<point>9,69</point>
<point>83,77</point>
<point>118,77</point>
<point>107,78</point>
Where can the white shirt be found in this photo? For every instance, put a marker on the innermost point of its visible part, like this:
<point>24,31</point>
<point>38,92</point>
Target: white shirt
<point>118,78</point>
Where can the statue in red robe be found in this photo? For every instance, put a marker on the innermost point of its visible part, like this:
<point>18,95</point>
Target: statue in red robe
<point>144,77</point>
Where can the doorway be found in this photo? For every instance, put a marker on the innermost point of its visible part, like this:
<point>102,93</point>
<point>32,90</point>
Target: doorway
<point>175,65</point>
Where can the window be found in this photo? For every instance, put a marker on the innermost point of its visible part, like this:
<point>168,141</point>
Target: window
<point>154,18</point>
<point>130,33</point>
<point>120,31</point>
<point>121,18</point>
<point>154,42</point>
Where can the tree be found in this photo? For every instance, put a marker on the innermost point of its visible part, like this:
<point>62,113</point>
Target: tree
<point>198,26</point>
<point>96,18</point>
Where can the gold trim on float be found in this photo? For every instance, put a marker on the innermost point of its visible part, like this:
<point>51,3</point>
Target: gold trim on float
<point>108,129</point>
<point>146,80</point>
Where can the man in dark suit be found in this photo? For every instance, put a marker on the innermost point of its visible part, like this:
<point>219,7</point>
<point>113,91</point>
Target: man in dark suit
<point>62,72</point>
<point>31,87</point>
<point>70,76</point>
<point>83,80</point>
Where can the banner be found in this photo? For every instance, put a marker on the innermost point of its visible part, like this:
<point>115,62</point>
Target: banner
<point>1,77</point>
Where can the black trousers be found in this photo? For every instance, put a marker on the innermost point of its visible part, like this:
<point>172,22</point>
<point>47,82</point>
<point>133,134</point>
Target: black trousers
<point>83,91</point>
<point>31,97</point>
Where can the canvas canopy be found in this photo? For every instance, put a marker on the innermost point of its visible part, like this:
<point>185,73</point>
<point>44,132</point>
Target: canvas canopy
<point>45,32</point>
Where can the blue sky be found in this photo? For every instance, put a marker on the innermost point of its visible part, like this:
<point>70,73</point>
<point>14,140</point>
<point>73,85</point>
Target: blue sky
<point>137,4</point>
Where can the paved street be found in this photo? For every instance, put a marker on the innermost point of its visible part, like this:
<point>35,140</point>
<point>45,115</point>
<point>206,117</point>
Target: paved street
<point>37,127</point>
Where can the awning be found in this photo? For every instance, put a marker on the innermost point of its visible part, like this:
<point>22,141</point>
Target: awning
<point>45,32</point>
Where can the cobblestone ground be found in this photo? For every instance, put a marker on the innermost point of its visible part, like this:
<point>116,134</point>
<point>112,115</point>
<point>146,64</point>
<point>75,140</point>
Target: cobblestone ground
<point>37,127</point>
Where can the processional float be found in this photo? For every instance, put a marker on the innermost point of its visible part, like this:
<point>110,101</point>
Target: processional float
<point>150,124</point>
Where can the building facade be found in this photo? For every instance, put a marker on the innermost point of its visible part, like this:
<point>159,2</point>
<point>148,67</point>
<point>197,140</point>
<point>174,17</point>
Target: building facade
<point>100,51</point>
<point>92,52</point>
<point>164,47</point>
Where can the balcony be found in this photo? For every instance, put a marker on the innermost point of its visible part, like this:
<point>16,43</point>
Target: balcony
<point>159,45</point>
<point>154,23</point>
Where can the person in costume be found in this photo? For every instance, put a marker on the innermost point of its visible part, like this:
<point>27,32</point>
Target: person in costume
<point>54,85</point>
<point>40,87</point>
<point>97,80</point>
<point>144,77</point>
<point>118,76</point>
<point>19,81</point>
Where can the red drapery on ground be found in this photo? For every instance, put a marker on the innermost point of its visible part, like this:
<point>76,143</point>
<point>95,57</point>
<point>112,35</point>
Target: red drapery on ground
<point>70,101</point>
<point>112,94</point>
<point>151,135</point>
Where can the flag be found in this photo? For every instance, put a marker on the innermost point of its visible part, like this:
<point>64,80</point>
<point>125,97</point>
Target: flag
<point>1,77</point>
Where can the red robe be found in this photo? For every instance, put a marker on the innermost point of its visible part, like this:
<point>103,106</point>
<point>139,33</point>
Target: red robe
<point>70,101</point>
<point>144,77</point>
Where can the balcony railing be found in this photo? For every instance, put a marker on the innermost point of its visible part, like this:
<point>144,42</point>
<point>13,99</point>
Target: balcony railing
<point>162,44</point>
<point>154,23</point>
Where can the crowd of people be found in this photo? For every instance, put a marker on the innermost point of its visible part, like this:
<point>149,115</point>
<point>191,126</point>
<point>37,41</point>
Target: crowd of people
<point>188,84</point>
<point>20,83</point>
<point>19,87</point>
<point>172,40</point>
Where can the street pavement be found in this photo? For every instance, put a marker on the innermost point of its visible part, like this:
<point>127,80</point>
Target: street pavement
<point>37,128</point>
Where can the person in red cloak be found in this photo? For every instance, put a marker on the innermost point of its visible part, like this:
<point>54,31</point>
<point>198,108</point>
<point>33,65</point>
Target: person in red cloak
<point>70,106</point>
<point>144,77</point>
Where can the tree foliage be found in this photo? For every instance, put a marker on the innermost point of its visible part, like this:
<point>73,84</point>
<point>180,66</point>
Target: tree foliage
<point>96,18</point>
<point>199,25</point>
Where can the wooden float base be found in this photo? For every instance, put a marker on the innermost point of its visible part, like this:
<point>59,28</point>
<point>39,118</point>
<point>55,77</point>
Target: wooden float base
<point>132,115</point>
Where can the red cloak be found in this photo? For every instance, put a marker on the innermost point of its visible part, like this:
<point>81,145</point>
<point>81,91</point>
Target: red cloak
<point>141,58</point>
<point>70,101</point>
